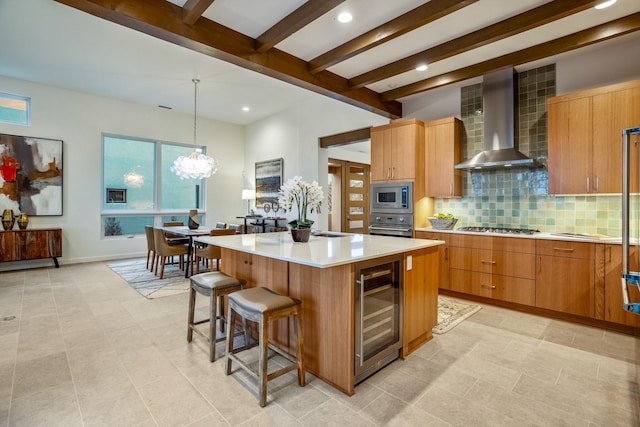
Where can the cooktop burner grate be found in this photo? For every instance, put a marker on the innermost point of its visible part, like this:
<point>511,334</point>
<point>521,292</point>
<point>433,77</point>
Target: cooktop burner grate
<point>504,230</point>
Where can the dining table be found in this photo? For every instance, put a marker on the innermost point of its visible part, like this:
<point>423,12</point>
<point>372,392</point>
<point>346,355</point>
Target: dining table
<point>190,234</point>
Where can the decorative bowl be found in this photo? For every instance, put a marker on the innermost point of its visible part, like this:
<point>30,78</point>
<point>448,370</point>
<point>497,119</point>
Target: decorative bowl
<point>443,223</point>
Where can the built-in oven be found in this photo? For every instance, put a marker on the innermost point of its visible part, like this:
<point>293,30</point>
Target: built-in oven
<point>392,197</point>
<point>377,314</point>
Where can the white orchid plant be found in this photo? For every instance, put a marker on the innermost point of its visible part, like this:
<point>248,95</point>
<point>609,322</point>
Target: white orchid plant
<point>297,194</point>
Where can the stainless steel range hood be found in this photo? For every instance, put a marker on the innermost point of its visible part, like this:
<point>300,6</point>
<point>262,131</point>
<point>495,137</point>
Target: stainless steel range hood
<point>499,126</point>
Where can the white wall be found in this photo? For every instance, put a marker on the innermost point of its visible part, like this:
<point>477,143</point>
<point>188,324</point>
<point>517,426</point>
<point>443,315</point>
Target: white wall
<point>79,119</point>
<point>293,135</point>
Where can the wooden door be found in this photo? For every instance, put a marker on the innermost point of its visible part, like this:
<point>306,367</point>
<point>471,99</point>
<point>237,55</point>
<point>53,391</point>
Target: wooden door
<point>570,147</point>
<point>355,213</point>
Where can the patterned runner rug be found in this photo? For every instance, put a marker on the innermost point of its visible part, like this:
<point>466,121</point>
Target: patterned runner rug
<point>451,312</point>
<point>146,283</point>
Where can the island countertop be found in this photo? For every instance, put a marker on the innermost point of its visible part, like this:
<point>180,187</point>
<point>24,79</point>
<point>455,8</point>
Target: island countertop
<point>321,251</point>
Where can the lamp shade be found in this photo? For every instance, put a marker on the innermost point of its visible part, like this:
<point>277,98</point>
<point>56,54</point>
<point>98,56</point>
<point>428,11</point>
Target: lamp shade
<point>248,194</point>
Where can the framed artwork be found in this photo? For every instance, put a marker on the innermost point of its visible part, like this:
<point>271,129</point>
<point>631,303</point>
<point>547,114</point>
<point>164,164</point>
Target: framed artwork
<point>31,175</point>
<point>116,195</point>
<point>268,180</point>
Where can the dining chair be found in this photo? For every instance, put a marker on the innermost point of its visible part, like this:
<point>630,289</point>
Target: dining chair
<point>211,252</point>
<point>237,227</point>
<point>164,250</point>
<point>151,246</point>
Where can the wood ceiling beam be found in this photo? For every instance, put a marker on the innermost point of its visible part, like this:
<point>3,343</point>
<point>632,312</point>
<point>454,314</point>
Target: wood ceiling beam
<point>600,33</point>
<point>193,9</point>
<point>163,19</point>
<point>418,17</point>
<point>525,21</point>
<point>345,138</point>
<point>299,18</point>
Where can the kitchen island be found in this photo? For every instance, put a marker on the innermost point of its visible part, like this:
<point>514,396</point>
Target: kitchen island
<point>320,273</point>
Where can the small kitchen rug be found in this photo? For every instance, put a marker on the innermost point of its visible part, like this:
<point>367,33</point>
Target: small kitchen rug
<point>451,312</point>
<point>135,273</point>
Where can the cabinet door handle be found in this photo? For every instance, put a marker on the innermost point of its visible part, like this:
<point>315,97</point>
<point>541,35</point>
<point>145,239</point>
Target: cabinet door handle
<point>393,172</point>
<point>588,184</point>
<point>597,184</point>
<point>488,262</point>
<point>451,189</point>
<point>488,286</point>
<point>446,254</point>
<point>564,249</point>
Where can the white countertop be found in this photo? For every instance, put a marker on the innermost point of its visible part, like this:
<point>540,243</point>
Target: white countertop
<point>544,236</point>
<point>319,251</point>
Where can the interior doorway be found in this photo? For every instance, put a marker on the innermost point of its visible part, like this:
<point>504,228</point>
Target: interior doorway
<point>348,196</point>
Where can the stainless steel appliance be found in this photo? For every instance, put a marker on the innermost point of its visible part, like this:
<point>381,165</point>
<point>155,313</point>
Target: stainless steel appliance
<point>391,225</point>
<point>378,314</point>
<point>392,197</point>
<point>502,230</point>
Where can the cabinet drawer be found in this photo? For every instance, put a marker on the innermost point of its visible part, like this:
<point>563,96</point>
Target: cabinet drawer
<point>567,249</point>
<point>508,244</point>
<point>515,264</point>
<point>512,289</point>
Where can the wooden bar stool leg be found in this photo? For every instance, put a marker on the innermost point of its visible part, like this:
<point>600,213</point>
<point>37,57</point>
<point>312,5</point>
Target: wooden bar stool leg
<point>230,324</point>
<point>298,330</point>
<point>191,314</point>
<point>264,353</point>
<point>213,313</point>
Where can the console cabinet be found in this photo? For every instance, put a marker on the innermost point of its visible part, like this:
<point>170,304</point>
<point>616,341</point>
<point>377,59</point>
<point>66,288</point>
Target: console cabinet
<point>22,245</point>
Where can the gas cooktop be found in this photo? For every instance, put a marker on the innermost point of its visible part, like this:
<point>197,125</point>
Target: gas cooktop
<point>503,230</point>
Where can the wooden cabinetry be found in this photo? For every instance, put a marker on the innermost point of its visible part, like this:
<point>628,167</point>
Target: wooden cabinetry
<point>585,138</point>
<point>443,150</point>
<point>493,267</point>
<point>565,276</point>
<point>610,296</point>
<point>420,301</point>
<point>397,152</point>
<point>21,245</point>
<point>443,255</point>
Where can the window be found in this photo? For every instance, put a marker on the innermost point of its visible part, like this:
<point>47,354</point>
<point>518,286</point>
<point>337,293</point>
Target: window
<point>139,189</point>
<point>15,109</point>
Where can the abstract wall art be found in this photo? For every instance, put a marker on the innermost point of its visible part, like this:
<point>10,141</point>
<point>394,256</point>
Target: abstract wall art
<point>31,175</point>
<point>268,180</point>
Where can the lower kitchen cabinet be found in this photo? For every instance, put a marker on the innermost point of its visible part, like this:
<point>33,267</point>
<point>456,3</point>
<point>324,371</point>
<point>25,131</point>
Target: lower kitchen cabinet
<point>565,276</point>
<point>612,307</point>
<point>443,281</point>
<point>493,267</point>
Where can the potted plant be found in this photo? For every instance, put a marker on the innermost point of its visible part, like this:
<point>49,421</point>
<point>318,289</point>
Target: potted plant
<point>301,197</point>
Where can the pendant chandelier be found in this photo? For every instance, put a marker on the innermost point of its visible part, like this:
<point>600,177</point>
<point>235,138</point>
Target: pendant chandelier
<point>196,165</point>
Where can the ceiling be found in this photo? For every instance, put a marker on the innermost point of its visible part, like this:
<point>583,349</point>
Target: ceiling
<point>277,54</point>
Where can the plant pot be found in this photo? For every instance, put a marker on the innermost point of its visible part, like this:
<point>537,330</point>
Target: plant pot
<point>300,234</point>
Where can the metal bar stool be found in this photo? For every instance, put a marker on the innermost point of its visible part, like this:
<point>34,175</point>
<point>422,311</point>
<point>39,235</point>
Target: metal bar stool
<point>262,305</point>
<point>214,285</point>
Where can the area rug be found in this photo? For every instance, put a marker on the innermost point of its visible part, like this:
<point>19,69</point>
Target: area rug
<point>451,312</point>
<point>135,273</point>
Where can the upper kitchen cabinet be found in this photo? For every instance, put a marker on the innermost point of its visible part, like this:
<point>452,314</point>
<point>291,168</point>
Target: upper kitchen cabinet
<point>443,150</point>
<point>585,138</point>
<point>397,151</point>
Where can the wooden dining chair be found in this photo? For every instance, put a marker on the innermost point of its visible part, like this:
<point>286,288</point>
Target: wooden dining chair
<point>151,246</point>
<point>211,252</point>
<point>164,250</point>
<point>175,239</point>
<point>237,227</point>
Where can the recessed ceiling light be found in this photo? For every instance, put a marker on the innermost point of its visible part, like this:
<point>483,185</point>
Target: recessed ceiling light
<point>605,4</point>
<point>422,67</point>
<point>345,17</point>
<point>246,109</point>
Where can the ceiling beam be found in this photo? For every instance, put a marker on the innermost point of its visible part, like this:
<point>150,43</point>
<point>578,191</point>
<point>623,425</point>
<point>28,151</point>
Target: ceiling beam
<point>525,21</point>
<point>418,17</point>
<point>193,9</point>
<point>345,138</point>
<point>163,19</point>
<point>299,18</point>
<point>600,33</point>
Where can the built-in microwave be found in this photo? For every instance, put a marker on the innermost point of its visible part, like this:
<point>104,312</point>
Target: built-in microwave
<point>392,197</point>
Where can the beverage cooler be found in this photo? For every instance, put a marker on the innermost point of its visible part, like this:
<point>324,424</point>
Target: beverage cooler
<point>630,216</point>
<point>378,314</point>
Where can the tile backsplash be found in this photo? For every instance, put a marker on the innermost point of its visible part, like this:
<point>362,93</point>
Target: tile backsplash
<point>518,197</point>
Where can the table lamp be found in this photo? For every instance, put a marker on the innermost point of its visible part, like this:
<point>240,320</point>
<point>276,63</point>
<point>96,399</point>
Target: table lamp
<point>248,195</point>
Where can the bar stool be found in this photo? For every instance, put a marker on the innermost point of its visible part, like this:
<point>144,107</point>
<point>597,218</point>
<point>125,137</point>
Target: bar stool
<point>214,285</point>
<point>262,305</point>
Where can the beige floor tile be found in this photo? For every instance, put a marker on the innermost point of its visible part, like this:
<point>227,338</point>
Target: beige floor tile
<point>123,409</point>
<point>333,413</point>
<point>214,419</point>
<point>387,410</point>
<point>37,374</point>
<point>49,407</point>
<point>173,401</point>
<point>147,365</point>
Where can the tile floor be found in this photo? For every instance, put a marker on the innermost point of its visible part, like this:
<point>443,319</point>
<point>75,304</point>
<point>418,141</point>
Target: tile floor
<point>84,349</point>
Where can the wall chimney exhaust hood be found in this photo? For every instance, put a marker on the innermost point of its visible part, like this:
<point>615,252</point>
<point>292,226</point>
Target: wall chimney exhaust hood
<point>499,126</point>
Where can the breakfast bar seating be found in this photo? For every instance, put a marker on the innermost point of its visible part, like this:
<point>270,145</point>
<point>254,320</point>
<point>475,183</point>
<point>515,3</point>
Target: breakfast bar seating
<point>262,305</point>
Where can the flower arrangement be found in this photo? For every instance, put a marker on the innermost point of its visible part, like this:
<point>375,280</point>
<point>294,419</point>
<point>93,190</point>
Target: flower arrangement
<point>298,194</point>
